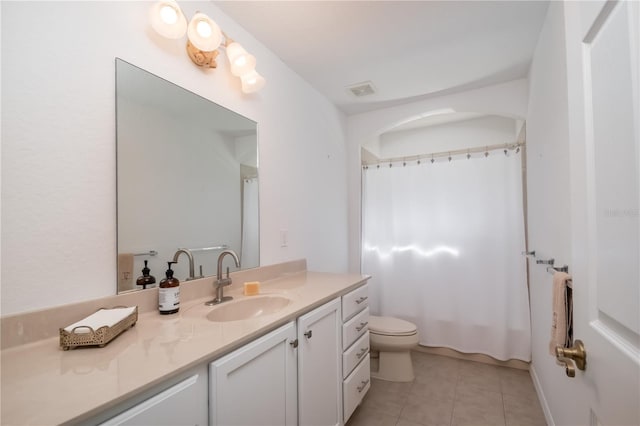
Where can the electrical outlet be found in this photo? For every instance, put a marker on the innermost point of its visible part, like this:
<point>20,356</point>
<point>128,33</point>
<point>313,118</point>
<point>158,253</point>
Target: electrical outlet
<point>284,238</point>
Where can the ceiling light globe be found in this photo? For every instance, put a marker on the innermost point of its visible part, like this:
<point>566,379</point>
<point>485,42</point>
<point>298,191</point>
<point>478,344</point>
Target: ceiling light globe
<point>241,62</point>
<point>167,19</point>
<point>252,82</point>
<point>204,33</point>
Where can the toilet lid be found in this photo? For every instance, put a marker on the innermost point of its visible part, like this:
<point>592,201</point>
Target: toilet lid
<point>391,326</point>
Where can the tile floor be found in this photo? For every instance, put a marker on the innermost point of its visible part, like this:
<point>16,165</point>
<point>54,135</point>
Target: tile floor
<point>452,392</point>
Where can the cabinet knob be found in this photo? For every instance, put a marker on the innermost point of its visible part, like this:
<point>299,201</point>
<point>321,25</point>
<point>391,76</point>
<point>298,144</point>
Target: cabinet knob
<point>361,353</point>
<point>364,385</point>
<point>361,326</point>
<point>308,334</point>
<point>294,343</point>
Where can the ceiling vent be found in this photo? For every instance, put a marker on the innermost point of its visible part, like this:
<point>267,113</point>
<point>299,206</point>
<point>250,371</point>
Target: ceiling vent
<point>362,89</point>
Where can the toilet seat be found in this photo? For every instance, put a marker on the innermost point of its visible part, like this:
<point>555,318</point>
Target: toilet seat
<point>388,326</point>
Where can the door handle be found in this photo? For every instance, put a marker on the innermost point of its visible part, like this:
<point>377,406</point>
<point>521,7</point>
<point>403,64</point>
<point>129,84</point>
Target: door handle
<point>575,354</point>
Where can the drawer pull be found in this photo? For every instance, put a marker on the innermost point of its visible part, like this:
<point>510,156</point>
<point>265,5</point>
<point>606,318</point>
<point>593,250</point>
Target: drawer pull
<point>361,326</point>
<point>364,385</point>
<point>308,334</point>
<point>361,353</point>
<point>361,299</point>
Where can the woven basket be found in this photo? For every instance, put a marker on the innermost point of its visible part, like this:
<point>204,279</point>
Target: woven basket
<point>99,337</point>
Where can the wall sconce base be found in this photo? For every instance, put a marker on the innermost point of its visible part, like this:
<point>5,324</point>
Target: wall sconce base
<point>202,58</point>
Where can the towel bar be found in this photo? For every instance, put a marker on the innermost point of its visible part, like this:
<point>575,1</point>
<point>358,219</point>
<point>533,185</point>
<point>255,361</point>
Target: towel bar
<point>147,253</point>
<point>553,269</point>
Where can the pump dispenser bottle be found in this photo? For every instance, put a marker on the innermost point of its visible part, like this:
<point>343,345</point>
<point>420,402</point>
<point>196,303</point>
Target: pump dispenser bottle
<point>169,293</point>
<point>145,279</point>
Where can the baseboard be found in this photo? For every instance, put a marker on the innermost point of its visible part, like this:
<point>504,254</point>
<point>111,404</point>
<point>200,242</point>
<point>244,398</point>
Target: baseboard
<point>486,359</point>
<point>541,398</point>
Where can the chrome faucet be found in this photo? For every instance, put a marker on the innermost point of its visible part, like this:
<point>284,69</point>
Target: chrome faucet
<point>190,256</point>
<point>220,282</point>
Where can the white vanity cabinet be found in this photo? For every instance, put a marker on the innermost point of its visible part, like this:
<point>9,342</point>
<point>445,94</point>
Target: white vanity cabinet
<point>184,402</point>
<point>256,384</point>
<point>293,375</point>
<point>320,366</point>
<point>355,344</point>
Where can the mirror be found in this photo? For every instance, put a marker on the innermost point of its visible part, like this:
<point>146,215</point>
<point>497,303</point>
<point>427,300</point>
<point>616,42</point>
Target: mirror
<point>187,177</point>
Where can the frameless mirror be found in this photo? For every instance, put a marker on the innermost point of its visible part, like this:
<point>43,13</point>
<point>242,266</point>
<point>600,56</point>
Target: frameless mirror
<point>187,177</point>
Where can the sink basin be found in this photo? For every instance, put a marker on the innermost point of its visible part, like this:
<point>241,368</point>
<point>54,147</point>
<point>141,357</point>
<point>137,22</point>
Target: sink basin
<point>252,307</point>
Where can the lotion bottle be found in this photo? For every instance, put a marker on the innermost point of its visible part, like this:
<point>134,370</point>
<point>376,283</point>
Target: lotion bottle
<point>169,293</point>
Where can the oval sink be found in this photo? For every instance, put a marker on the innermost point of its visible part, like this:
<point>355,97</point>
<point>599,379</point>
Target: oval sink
<point>255,306</point>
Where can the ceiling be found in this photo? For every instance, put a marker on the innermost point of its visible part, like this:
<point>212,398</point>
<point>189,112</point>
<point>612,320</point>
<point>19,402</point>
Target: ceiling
<point>409,50</point>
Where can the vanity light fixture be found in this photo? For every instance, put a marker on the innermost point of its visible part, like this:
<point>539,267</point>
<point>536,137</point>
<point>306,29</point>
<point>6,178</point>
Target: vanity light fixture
<point>204,38</point>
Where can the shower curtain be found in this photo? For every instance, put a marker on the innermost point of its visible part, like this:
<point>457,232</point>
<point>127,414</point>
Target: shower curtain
<point>250,255</point>
<point>442,242</point>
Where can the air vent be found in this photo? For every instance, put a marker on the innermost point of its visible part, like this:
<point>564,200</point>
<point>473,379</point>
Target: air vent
<point>362,89</point>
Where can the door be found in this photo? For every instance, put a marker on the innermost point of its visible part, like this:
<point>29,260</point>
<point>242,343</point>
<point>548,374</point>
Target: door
<point>256,384</point>
<point>603,45</point>
<point>320,366</point>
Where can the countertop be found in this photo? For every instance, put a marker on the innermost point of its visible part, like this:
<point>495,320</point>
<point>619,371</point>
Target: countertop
<point>42,384</point>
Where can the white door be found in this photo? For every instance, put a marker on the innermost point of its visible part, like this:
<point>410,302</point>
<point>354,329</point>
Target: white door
<point>256,384</point>
<point>603,79</point>
<point>320,366</point>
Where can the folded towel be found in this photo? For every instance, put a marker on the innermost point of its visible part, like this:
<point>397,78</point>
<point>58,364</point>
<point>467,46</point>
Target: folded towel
<point>561,321</point>
<point>125,271</point>
<point>104,317</point>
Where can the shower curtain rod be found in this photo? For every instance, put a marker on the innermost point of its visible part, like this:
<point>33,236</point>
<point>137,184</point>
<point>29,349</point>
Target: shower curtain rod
<point>485,149</point>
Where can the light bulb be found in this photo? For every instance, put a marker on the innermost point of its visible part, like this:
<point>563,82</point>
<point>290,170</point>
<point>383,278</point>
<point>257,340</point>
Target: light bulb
<point>204,33</point>
<point>204,29</point>
<point>167,19</point>
<point>168,14</point>
<point>241,62</point>
<point>252,82</point>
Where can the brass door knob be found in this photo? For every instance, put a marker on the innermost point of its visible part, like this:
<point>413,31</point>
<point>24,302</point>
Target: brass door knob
<point>568,356</point>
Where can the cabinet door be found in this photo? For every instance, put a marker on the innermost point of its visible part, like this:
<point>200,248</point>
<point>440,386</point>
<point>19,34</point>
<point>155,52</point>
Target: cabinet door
<point>320,366</point>
<point>184,403</point>
<point>256,384</point>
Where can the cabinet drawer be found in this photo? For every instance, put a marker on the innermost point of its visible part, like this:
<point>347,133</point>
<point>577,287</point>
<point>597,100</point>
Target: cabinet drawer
<point>355,328</point>
<point>355,354</point>
<point>355,301</point>
<point>355,387</point>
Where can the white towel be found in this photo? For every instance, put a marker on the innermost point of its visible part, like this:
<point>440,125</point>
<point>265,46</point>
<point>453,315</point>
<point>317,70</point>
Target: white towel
<point>562,312</point>
<point>104,317</point>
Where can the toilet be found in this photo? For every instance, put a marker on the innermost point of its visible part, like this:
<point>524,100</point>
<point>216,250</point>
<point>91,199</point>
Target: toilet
<point>392,339</point>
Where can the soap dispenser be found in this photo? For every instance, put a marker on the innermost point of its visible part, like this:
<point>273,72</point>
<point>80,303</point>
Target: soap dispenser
<point>145,279</point>
<point>169,293</point>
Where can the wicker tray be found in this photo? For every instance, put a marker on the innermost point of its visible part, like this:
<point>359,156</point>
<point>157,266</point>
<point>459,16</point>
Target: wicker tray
<point>99,337</point>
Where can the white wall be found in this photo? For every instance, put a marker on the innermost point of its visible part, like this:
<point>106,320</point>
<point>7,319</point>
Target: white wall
<point>58,146</point>
<point>478,132</point>
<point>507,99</point>
<point>549,207</point>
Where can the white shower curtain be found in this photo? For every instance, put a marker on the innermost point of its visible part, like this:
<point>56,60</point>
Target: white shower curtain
<point>250,255</point>
<point>443,245</point>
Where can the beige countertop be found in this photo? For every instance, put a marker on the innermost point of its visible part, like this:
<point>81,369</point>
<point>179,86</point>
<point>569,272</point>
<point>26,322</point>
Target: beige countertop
<point>42,384</point>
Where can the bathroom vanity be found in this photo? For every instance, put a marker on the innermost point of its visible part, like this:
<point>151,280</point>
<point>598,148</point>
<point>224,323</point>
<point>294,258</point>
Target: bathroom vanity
<point>286,366</point>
